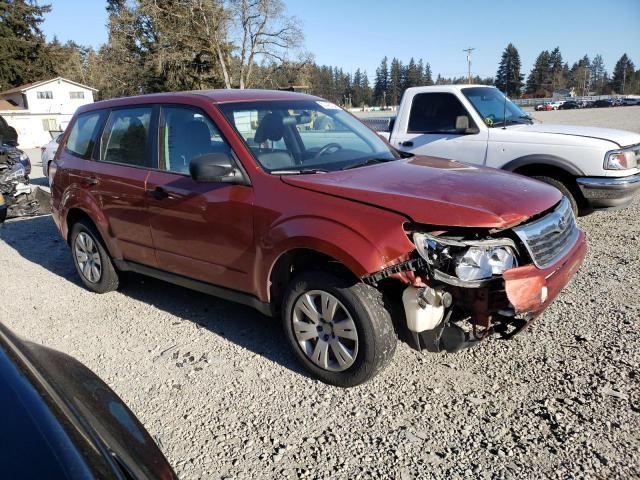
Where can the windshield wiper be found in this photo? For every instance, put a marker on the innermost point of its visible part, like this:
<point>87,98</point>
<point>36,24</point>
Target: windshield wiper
<point>300,171</point>
<point>369,161</point>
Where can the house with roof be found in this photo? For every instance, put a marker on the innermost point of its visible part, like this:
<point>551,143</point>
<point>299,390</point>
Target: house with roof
<point>40,110</point>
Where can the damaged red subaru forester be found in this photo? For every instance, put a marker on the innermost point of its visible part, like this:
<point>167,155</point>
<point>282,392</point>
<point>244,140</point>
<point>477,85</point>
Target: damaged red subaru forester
<point>287,203</point>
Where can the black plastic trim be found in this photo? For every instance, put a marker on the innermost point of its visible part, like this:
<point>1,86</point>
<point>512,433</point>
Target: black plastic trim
<point>197,285</point>
<point>538,159</point>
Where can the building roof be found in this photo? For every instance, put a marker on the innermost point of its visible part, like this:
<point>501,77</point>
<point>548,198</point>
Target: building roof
<point>5,105</point>
<point>29,86</point>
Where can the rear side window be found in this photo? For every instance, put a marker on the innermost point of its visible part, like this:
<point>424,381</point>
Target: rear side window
<point>125,138</point>
<point>83,134</point>
<point>435,113</point>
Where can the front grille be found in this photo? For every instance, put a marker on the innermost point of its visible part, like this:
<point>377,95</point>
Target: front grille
<point>550,237</point>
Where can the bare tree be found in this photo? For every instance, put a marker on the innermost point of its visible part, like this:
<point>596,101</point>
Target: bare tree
<point>263,31</point>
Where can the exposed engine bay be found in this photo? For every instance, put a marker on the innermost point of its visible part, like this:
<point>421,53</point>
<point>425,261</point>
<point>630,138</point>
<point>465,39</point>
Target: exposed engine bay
<point>21,198</point>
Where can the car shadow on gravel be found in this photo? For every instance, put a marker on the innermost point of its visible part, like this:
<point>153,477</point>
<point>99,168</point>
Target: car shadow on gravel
<point>37,240</point>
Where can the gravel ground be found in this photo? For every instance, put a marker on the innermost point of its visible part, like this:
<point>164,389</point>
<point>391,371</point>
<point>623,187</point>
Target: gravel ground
<point>216,386</point>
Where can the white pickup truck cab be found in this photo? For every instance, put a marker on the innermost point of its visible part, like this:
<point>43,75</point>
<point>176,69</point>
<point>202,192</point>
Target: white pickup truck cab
<point>594,167</point>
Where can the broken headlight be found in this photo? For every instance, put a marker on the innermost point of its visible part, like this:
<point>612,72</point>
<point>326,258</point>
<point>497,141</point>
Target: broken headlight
<point>468,260</point>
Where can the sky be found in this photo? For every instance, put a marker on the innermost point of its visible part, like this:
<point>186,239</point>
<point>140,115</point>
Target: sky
<point>358,33</point>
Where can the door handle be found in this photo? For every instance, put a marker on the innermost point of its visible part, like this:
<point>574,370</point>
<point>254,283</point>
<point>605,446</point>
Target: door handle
<point>408,143</point>
<point>90,181</point>
<point>158,193</point>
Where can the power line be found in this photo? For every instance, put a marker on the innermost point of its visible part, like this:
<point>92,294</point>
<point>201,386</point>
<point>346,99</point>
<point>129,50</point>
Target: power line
<point>468,50</point>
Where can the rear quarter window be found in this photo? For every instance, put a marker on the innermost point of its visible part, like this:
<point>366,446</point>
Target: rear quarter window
<point>83,134</point>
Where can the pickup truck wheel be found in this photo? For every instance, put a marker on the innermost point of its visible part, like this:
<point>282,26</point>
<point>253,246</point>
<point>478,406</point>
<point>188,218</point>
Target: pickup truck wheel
<point>563,189</point>
<point>340,331</point>
<point>91,259</point>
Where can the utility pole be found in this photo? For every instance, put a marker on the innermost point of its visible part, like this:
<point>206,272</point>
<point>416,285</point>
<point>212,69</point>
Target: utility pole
<point>624,76</point>
<point>468,50</point>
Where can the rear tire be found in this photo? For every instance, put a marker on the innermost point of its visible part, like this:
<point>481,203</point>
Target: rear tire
<point>348,319</point>
<point>93,262</point>
<point>564,189</point>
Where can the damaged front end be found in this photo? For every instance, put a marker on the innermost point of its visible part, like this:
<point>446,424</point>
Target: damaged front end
<point>462,285</point>
<point>20,197</point>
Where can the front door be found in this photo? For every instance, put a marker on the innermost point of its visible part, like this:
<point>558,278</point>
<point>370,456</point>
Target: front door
<point>200,230</point>
<point>430,129</point>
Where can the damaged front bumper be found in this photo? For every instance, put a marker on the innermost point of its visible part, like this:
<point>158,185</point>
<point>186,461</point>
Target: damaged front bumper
<point>504,305</point>
<point>445,313</point>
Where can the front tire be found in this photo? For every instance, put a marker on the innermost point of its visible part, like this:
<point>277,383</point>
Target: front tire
<point>340,331</point>
<point>92,261</point>
<point>564,189</point>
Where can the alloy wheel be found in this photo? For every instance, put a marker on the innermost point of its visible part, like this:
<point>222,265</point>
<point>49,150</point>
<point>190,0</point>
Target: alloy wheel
<point>88,257</point>
<point>325,330</point>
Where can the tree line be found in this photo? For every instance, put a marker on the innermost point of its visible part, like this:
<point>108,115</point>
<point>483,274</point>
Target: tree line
<point>550,73</point>
<point>169,45</point>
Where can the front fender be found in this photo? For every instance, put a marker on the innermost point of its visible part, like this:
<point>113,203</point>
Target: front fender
<point>360,254</point>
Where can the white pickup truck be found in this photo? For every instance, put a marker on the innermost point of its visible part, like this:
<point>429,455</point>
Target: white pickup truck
<point>594,167</point>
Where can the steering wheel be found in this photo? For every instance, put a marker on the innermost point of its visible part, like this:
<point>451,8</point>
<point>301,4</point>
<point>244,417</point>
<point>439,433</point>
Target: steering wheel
<point>326,148</point>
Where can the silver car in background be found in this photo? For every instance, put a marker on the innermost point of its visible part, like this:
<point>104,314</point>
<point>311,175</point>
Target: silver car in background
<point>48,152</point>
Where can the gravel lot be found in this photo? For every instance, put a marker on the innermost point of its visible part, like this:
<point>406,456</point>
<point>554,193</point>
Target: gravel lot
<point>216,386</point>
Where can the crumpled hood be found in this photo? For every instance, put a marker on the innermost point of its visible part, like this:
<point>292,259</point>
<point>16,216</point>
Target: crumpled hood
<point>436,191</point>
<point>620,137</point>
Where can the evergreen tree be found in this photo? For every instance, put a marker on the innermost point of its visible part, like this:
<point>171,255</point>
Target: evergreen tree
<point>367,94</point>
<point>598,73</point>
<point>22,43</point>
<point>622,73</point>
<point>395,88</point>
<point>381,83</point>
<point>558,80</point>
<point>539,82</point>
<point>508,78</point>
<point>412,75</point>
<point>427,77</point>
<point>579,76</point>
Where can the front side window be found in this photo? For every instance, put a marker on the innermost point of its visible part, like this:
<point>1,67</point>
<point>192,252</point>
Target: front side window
<point>186,133</point>
<point>435,113</point>
<point>83,133</point>
<point>494,108</point>
<point>48,95</point>
<point>125,138</point>
<point>298,136</point>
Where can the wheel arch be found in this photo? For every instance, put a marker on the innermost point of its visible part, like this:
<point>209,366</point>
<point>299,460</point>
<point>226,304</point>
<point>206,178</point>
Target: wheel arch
<point>76,214</point>
<point>543,164</point>
<point>301,259</point>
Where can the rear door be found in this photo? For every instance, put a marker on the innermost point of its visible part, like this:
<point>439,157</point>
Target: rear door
<point>200,230</point>
<point>125,155</point>
<point>430,129</point>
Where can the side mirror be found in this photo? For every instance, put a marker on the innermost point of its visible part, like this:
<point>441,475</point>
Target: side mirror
<point>462,125</point>
<point>215,167</point>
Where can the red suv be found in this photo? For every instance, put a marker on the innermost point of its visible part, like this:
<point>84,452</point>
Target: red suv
<point>287,203</point>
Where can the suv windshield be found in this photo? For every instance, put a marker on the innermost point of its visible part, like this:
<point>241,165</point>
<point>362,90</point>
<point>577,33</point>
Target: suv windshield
<point>305,136</point>
<point>491,105</point>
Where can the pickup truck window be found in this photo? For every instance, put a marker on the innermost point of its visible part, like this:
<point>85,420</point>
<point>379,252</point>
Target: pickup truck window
<point>435,113</point>
<point>494,109</point>
<point>303,136</point>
